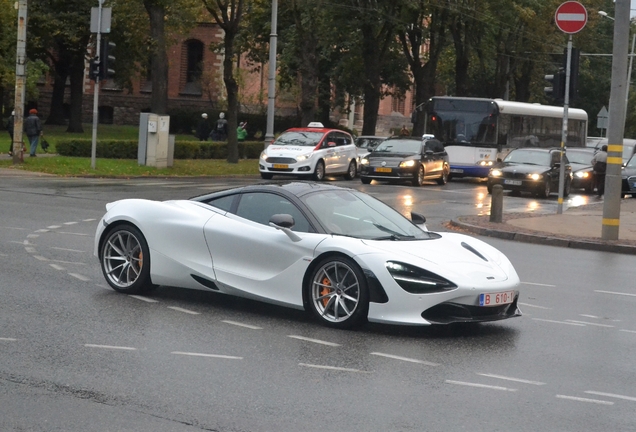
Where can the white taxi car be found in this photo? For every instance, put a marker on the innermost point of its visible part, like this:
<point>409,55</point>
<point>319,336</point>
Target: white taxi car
<point>313,151</point>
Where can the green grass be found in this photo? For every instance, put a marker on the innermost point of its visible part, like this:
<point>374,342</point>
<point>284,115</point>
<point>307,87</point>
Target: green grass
<point>76,166</point>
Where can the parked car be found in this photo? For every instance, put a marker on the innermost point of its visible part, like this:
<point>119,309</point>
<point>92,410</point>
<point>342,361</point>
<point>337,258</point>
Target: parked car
<point>314,151</point>
<point>534,170</point>
<point>629,146</point>
<point>338,253</point>
<point>629,177</point>
<point>366,144</point>
<point>582,170</point>
<point>406,159</point>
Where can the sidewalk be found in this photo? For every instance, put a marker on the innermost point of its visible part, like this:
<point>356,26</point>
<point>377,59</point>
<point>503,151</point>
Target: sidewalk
<point>578,227</point>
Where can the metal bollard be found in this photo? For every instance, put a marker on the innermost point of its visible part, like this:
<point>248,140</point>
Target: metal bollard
<point>496,204</point>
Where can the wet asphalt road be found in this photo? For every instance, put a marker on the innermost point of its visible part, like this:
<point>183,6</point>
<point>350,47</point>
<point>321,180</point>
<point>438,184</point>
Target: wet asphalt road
<point>76,356</point>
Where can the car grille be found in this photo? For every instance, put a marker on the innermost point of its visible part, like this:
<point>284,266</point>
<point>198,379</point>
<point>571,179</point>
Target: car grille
<point>281,160</point>
<point>446,313</point>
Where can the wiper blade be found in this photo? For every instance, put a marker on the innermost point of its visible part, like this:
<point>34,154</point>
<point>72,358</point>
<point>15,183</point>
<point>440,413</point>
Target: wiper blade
<point>394,234</point>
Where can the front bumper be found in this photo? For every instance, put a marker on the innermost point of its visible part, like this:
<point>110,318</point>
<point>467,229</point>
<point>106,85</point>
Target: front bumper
<point>392,173</point>
<point>533,186</point>
<point>298,168</point>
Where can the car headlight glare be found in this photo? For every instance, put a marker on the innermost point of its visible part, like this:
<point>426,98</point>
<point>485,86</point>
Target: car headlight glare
<point>535,176</point>
<point>303,157</point>
<point>495,173</point>
<point>484,163</point>
<point>364,161</point>
<point>407,164</point>
<point>263,156</point>
<point>582,174</point>
<point>415,280</point>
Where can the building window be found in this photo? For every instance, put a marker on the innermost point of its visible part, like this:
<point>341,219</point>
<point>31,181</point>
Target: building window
<point>398,105</point>
<point>193,62</point>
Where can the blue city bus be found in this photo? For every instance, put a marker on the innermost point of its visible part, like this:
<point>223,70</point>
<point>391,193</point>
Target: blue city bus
<point>477,132</point>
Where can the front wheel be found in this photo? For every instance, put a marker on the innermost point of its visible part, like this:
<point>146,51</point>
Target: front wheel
<point>418,178</point>
<point>319,172</point>
<point>351,171</point>
<point>338,293</point>
<point>365,180</point>
<point>566,188</point>
<point>125,260</point>
<point>444,177</point>
<point>547,189</point>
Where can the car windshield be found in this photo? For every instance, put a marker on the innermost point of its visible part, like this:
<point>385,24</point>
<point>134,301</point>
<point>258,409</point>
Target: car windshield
<point>399,146</point>
<point>368,143</point>
<point>308,139</point>
<point>530,157</point>
<point>579,157</point>
<point>632,162</point>
<point>358,215</point>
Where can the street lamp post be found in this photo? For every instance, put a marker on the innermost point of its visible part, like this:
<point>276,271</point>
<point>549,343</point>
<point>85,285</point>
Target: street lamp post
<point>271,89</point>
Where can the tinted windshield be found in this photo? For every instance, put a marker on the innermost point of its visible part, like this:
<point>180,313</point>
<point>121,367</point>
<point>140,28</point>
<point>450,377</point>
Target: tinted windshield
<point>632,162</point>
<point>528,157</point>
<point>309,139</point>
<point>462,121</point>
<point>583,158</point>
<point>359,215</point>
<point>368,143</point>
<point>400,146</point>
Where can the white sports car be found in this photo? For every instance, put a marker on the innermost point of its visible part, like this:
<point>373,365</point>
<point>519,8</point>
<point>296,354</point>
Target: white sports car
<point>338,252</point>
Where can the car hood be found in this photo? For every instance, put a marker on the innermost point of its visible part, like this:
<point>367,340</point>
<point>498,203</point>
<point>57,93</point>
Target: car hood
<point>580,167</point>
<point>628,172</point>
<point>287,150</point>
<point>390,159</point>
<point>524,168</point>
<point>466,256</point>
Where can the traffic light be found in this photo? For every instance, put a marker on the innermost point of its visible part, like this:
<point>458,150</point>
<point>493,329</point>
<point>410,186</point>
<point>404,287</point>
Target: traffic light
<point>107,60</point>
<point>94,70</point>
<point>556,91</point>
<point>574,70</point>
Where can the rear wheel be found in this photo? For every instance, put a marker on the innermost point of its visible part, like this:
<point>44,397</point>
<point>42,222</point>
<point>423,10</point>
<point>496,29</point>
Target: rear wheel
<point>125,260</point>
<point>418,178</point>
<point>266,176</point>
<point>444,177</point>
<point>547,189</point>
<point>338,293</point>
<point>351,171</point>
<point>319,172</point>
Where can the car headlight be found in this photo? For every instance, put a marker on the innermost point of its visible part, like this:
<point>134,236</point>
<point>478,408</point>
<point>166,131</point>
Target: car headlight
<point>582,174</point>
<point>495,173</point>
<point>415,280</point>
<point>407,164</point>
<point>303,157</point>
<point>263,156</point>
<point>535,176</point>
<point>485,163</point>
<point>364,161</point>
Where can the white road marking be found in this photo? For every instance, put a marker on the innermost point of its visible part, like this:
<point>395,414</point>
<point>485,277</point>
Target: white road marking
<point>629,398</point>
<point>178,309</point>
<point>42,230</point>
<point>73,233</point>
<point>533,306</point>
<point>628,331</point>
<point>588,316</point>
<point>512,379</point>
<point>8,339</point>
<point>40,257</point>
<point>142,298</point>
<point>615,293</point>
<point>70,223</point>
<point>592,324</point>
<point>207,355</point>
<point>242,325</point>
<point>68,250</point>
<point>580,399</point>
<point>110,347</point>
<point>88,220</point>
<point>80,277</point>
<point>404,359</point>
<point>334,368</point>
<point>538,284</point>
<point>57,267</point>
<point>559,322</point>
<point>15,228</point>
<point>318,341</point>
<point>480,385</point>
<point>33,235</point>
<point>69,262</point>
<point>54,227</point>
<point>30,249</point>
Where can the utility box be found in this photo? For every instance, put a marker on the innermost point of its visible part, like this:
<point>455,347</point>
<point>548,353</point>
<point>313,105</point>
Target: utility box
<point>155,147</point>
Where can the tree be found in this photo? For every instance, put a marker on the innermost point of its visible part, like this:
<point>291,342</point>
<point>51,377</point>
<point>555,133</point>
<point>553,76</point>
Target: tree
<point>228,15</point>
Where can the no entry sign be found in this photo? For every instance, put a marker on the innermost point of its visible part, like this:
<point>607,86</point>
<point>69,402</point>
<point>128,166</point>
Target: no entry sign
<point>571,17</point>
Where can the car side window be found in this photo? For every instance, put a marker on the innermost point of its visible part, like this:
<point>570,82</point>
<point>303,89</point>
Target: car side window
<point>331,137</point>
<point>261,206</point>
<point>343,139</point>
<point>223,203</point>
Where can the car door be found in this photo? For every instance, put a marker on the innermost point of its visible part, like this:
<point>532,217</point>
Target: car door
<point>432,159</point>
<point>252,259</point>
<point>347,150</point>
<point>330,152</point>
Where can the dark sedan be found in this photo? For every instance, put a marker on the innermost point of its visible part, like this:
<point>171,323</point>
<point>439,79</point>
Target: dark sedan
<point>582,171</point>
<point>406,159</point>
<point>629,177</point>
<point>534,170</point>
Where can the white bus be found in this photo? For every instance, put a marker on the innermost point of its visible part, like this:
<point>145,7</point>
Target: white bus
<point>477,132</point>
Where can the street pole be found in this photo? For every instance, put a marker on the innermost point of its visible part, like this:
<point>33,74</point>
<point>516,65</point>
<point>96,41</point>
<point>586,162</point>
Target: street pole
<point>20,83</point>
<point>564,128</point>
<point>271,89</point>
<point>96,87</point>
<point>616,129</point>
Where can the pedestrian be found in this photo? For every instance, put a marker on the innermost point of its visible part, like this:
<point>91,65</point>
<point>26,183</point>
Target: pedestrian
<point>220,131</point>
<point>203,128</point>
<point>241,132</point>
<point>10,130</point>
<point>405,131</point>
<point>33,130</point>
<point>599,166</point>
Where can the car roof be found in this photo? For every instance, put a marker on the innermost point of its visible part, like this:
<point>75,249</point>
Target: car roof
<point>297,188</point>
<point>322,130</point>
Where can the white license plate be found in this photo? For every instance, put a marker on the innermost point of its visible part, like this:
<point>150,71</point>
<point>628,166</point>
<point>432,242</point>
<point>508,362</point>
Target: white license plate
<point>495,299</point>
<point>513,182</point>
<point>457,170</point>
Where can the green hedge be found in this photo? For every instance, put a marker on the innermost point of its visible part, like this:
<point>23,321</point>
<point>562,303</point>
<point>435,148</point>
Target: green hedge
<point>127,149</point>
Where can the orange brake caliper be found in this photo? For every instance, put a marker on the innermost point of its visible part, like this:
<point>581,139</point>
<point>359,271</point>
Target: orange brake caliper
<point>324,291</point>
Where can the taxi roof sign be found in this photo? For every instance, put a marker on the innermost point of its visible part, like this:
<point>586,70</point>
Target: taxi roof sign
<point>316,125</point>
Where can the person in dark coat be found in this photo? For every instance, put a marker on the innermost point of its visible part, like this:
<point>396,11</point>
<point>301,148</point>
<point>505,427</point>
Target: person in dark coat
<point>599,165</point>
<point>33,130</point>
<point>203,128</point>
<point>10,123</point>
<point>220,132</point>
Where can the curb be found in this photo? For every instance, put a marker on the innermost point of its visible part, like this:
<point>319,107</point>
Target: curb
<point>601,246</point>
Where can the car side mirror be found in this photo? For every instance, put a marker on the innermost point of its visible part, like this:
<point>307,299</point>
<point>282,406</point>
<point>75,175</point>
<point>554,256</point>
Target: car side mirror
<point>284,222</point>
<point>417,218</point>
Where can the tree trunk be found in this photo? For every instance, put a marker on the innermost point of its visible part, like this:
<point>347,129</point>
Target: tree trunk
<point>324,99</point>
<point>373,80</point>
<point>56,114</point>
<point>159,58</point>
<point>76,72</point>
